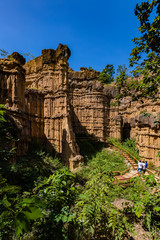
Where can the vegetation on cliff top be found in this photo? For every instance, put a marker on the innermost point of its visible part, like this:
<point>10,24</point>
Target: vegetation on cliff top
<point>107,74</point>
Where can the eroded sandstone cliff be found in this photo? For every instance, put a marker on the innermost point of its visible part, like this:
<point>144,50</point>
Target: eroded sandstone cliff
<point>139,120</point>
<point>52,103</point>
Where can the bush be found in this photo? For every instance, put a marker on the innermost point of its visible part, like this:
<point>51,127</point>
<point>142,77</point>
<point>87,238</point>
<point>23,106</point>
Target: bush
<point>58,192</point>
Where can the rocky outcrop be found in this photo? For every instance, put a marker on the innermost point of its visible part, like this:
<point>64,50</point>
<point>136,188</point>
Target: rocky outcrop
<point>12,88</point>
<point>88,104</point>
<point>139,120</point>
<point>37,97</point>
<point>49,101</point>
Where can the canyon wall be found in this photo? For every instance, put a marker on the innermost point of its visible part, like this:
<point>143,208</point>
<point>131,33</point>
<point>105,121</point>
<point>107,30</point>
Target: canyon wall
<point>36,96</point>
<point>55,105</point>
<point>12,90</point>
<point>88,104</point>
<point>139,120</point>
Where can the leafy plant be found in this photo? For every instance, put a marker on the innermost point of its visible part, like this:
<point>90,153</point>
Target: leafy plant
<point>99,158</point>
<point>29,56</point>
<point>95,215</point>
<point>90,68</point>
<point>4,53</point>
<point>148,13</point>
<point>128,144</point>
<point>121,81</point>
<point>8,136</point>
<point>17,211</point>
<point>145,114</point>
<point>107,74</point>
<point>58,192</point>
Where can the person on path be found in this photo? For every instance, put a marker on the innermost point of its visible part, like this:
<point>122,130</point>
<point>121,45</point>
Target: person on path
<point>146,164</point>
<point>140,166</point>
<point>144,167</point>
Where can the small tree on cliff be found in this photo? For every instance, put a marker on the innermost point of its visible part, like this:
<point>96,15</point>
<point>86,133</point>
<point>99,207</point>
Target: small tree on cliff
<point>3,53</point>
<point>148,13</point>
<point>121,80</point>
<point>107,74</point>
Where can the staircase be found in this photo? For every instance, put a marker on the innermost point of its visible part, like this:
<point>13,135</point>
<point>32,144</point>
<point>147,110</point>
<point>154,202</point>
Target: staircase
<point>128,159</point>
<point>131,161</point>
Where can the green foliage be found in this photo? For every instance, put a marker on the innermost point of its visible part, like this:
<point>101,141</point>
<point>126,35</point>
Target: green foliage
<point>90,68</point>
<point>37,162</point>
<point>17,211</point>
<point>145,205</point>
<point>95,215</point>
<point>128,145</point>
<point>145,114</point>
<point>158,154</point>
<point>107,74</point>
<point>46,209</point>
<point>89,148</point>
<point>148,13</point>
<point>27,210</point>
<point>58,209</point>
<point>4,53</point>
<point>149,29</point>
<point>121,81</point>
<point>121,69</point>
<point>7,140</point>
<point>58,192</point>
<point>97,158</point>
<point>148,208</point>
<point>29,56</point>
<point>151,73</point>
<point>114,103</point>
<point>8,197</point>
<point>137,71</point>
<point>65,206</point>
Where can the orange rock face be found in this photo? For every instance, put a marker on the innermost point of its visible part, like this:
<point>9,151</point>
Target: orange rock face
<point>54,104</point>
<point>139,120</point>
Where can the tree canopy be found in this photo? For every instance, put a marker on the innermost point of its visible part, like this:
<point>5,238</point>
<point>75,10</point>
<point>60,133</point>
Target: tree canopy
<point>148,14</point>
<point>107,74</point>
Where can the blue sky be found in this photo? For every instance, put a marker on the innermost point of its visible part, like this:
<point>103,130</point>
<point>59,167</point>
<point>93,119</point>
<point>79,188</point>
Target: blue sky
<point>97,32</point>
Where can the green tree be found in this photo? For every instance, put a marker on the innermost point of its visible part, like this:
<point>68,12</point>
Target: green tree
<point>29,56</point>
<point>148,14</point>
<point>121,80</point>
<point>137,71</point>
<point>107,74</point>
<point>122,69</point>
<point>4,53</point>
<point>90,68</point>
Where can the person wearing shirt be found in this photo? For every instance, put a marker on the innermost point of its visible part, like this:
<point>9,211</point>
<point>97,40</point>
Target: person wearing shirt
<point>140,166</point>
<point>144,167</point>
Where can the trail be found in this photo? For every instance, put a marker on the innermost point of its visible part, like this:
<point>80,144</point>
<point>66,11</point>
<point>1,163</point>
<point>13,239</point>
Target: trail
<point>131,172</point>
